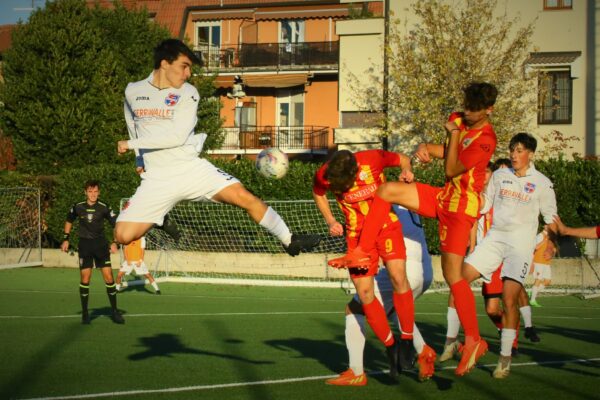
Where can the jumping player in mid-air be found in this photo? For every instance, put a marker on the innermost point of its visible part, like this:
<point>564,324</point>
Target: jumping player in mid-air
<point>469,146</point>
<point>161,114</point>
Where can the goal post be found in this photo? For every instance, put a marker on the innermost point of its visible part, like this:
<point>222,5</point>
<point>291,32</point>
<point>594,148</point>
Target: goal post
<point>221,244</point>
<point>20,227</point>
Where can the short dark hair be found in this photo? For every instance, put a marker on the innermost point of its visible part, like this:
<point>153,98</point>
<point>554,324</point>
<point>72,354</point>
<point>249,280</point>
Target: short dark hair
<point>501,162</point>
<point>91,183</point>
<point>479,96</point>
<point>170,50</point>
<point>341,171</point>
<point>524,138</point>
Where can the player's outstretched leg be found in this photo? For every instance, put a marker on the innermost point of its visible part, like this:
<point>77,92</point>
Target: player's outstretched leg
<point>302,243</point>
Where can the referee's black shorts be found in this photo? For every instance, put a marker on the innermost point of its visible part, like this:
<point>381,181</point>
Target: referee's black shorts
<point>94,252</point>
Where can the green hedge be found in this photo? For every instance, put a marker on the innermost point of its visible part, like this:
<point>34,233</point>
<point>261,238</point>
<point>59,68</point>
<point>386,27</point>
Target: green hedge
<point>575,183</point>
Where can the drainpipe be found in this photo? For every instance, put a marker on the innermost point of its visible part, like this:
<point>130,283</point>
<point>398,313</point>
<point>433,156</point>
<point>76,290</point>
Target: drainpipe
<point>386,34</point>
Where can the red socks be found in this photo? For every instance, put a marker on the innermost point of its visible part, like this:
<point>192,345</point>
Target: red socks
<point>465,307</point>
<point>378,321</point>
<point>405,309</point>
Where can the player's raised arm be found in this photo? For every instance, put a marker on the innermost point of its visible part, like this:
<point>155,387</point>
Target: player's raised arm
<point>588,232</point>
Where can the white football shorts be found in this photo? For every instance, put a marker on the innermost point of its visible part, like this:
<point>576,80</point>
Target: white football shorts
<point>542,271</point>
<point>490,253</point>
<point>139,268</point>
<point>384,289</point>
<point>160,191</point>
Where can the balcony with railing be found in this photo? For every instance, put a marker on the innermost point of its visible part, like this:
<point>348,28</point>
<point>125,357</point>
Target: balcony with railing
<point>270,56</point>
<point>294,139</point>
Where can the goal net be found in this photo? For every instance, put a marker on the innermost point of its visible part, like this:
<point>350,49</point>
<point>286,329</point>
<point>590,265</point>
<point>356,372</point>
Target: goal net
<point>220,243</point>
<point>20,231</point>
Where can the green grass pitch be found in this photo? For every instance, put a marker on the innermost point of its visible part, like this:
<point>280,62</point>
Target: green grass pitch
<point>238,342</point>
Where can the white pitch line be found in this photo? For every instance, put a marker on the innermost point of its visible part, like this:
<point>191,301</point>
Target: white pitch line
<point>275,381</point>
<point>270,313</point>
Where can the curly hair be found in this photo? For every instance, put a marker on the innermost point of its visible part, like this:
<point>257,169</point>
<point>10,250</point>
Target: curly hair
<point>341,171</point>
<point>479,96</point>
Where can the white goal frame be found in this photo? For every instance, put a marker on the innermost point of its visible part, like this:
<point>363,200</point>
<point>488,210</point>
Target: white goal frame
<point>220,244</point>
<point>20,227</point>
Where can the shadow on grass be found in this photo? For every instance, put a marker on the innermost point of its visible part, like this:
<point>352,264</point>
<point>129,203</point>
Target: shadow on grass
<point>333,355</point>
<point>167,345</point>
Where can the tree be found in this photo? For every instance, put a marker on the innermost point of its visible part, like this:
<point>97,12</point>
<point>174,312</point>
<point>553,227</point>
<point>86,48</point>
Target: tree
<point>450,46</point>
<point>65,76</point>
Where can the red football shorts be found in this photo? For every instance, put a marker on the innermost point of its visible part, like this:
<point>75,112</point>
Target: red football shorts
<point>389,246</point>
<point>494,287</point>
<point>453,228</point>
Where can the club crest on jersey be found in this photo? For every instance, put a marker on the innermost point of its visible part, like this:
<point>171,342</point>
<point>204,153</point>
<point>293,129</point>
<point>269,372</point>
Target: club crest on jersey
<point>363,175</point>
<point>467,142</point>
<point>529,187</point>
<point>172,99</point>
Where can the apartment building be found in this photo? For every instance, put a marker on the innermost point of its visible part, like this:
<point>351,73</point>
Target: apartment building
<point>565,40</point>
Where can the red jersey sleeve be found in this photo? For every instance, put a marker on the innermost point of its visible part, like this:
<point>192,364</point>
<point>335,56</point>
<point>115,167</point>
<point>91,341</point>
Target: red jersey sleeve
<point>598,231</point>
<point>480,150</point>
<point>390,159</point>
<point>320,184</point>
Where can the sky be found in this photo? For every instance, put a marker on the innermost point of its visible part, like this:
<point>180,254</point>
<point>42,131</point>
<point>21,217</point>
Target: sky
<point>13,10</point>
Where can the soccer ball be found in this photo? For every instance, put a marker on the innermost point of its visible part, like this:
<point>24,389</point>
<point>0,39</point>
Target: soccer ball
<point>272,163</point>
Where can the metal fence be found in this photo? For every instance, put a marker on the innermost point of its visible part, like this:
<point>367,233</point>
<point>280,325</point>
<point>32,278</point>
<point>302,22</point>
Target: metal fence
<point>308,55</point>
<point>310,138</point>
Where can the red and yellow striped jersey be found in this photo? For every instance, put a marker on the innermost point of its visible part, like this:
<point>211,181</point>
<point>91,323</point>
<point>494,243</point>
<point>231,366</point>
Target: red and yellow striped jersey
<point>476,147</point>
<point>355,202</point>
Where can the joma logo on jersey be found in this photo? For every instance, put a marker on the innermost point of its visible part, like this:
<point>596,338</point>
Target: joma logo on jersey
<point>172,99</point>
<point>142,98</point>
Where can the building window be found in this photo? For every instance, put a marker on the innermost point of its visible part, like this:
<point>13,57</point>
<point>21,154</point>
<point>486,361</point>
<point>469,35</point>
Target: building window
<point>558,4</point>
<point>555,97</point>
<point>208,42</point>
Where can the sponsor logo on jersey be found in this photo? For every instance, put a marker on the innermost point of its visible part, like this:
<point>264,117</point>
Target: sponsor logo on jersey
<point>172,99</point>
<point>513,194</point>
<point>529,187</point>
<point>142,98</point>
<point>507,182</point>
<point>363,193</point>
<point>154,113</point>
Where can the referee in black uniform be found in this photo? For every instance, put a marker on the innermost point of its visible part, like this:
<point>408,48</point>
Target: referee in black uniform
<point>93,247</point>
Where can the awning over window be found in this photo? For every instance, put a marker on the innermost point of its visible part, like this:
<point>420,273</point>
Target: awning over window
<point>222,14</point>
<point>553,57</point>
<point>567,59</point>
<point>268,80</point>
<point>302,12</point>
<point>275,80</point>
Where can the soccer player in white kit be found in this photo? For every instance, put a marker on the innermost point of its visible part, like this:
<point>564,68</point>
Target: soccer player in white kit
<point>420,275</point>
<point>161,114</point>
<point>518,195</point>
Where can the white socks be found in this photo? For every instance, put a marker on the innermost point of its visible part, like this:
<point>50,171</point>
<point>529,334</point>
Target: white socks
<point>155,285</point>
<point>418,341</point>
<point>526,314</point>
<point>272,222</point>
<point>506,341</point>
<point>453,323</point>
<point>355,342</point>
<point>535,290</point>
